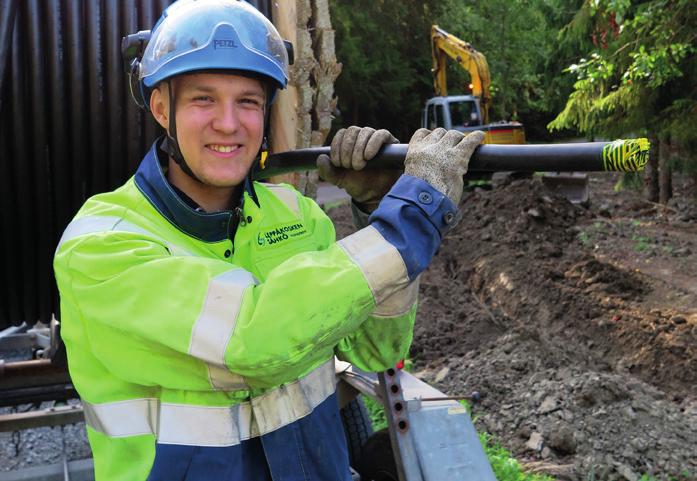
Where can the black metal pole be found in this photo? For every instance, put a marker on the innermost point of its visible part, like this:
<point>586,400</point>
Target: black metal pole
<point>620,155</point>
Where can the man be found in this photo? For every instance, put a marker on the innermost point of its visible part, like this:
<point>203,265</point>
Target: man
<point>202,311</point>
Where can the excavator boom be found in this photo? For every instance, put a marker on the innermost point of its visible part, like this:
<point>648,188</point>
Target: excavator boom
<point>445,45</point>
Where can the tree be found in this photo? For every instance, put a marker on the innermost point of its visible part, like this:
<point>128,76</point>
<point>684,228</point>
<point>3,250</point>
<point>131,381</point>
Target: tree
<point>638,77</point>
<point>385,51</point>
<point>517,38</point>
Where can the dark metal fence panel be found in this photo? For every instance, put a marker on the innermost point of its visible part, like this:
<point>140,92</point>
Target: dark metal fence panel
<point>8,11</point>
<point>68,130</point>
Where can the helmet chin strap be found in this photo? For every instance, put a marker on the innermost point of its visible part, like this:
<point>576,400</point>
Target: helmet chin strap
<point>170,145</point>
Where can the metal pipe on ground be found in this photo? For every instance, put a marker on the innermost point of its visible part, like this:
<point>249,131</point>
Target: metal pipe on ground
<point>37,394</point>
<point>54,416</point>
<point>35,373</point>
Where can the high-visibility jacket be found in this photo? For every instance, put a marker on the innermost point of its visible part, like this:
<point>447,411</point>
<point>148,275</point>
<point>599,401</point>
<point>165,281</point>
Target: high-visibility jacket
<point>202,344</point>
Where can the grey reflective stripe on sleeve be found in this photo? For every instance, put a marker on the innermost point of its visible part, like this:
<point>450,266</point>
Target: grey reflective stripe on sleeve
<point>214,426</point>
<point>400,302</point>
<point>216,323</point>
<point>93,224</point>
<point>122,418</point>
<point>286,195</point>
<point>379,261</point>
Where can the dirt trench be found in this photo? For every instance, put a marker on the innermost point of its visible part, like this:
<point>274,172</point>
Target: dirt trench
<point>578,325</point>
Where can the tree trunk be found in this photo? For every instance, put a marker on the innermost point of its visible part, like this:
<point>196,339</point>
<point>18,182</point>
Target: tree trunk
<point>302,115</point>
<point>665,179</point>
<point>651,188</point>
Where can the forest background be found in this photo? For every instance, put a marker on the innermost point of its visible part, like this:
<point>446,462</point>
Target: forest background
<point>566,69</point>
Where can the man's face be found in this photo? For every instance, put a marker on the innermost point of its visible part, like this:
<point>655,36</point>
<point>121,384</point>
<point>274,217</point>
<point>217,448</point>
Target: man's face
<point>220,124</point>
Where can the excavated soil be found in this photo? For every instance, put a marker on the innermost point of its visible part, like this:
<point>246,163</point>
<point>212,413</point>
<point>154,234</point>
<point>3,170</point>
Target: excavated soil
<point>577,324</point>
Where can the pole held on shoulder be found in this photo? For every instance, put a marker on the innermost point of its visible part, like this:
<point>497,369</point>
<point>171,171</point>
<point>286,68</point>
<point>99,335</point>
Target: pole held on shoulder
<point>628,155</point>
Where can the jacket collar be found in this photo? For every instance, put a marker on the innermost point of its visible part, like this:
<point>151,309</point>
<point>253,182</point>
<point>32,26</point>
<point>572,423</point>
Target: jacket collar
<point>207,226</point>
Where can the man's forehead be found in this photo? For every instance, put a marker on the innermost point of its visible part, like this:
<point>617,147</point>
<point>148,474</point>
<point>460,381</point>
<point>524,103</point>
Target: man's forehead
<point>209,81</point>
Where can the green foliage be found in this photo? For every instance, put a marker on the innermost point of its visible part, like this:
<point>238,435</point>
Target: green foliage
<point>385,51</point>
<point>386,55</point>
<point>376,413</point>
<point>629,181</point>
<point>516,53</point>
<point>584,238</point>
<point>641,243</point>
<point>638,75</point>
<point>505,467</point>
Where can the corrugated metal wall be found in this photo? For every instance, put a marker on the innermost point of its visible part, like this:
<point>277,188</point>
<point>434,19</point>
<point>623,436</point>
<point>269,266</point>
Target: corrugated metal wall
<point>68,129</point>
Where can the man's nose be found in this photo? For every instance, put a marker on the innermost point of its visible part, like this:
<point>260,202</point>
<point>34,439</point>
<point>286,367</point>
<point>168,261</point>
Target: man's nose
<point>227,119</point>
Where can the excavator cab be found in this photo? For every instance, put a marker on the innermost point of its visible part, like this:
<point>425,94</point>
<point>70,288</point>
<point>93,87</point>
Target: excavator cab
<point>458,112</point>
<point>463,113</point>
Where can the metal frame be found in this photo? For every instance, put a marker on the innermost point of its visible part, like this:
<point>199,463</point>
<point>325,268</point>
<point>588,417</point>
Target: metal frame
<point>433,437</point>
<point>43,378</point>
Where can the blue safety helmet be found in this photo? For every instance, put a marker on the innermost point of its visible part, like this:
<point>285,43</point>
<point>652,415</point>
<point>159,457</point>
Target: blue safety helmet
<point>200,35</point>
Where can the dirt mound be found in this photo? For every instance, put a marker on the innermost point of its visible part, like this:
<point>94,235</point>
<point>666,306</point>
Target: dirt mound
<point>583,360</point>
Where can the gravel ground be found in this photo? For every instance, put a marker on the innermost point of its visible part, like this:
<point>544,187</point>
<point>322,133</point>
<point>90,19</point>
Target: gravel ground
<point>41,446</point>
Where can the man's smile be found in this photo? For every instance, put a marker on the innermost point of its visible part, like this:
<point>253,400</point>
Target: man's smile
<point>224,149</point>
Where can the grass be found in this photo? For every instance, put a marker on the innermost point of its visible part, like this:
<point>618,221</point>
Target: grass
<point>641,243</point>
<point>505,466</point>
<point>584,238</point>
<point>376,413</point>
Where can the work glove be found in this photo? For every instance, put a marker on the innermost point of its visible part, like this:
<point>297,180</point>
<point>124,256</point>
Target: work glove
<point>441,158</point>
<point>351,150</point>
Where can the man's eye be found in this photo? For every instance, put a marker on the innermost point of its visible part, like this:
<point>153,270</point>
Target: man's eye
<point>203,98</point>
<point>252,102</point>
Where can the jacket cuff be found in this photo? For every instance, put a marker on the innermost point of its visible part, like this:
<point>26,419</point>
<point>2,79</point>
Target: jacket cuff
<point>413,217</point>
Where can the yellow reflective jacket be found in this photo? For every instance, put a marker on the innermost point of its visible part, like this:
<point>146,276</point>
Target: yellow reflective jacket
<point>186,328</point>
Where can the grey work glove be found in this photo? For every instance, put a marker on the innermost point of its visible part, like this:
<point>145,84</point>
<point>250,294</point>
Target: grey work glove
<point>441,158</point>
<point>351,150</point>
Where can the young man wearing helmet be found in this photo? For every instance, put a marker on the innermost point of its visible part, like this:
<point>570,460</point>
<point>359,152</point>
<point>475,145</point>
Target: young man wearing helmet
<point>202,311</point>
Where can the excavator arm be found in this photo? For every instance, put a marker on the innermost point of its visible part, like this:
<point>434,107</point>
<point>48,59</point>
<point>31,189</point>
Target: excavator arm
<point>445,45</point>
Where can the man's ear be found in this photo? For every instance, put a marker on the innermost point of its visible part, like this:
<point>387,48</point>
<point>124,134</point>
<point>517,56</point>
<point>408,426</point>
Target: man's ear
<point>159,105</point>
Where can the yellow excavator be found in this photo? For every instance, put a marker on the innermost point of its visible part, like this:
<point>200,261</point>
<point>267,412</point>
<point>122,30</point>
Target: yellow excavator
<point>471,112</point>
<point>464,112</point>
